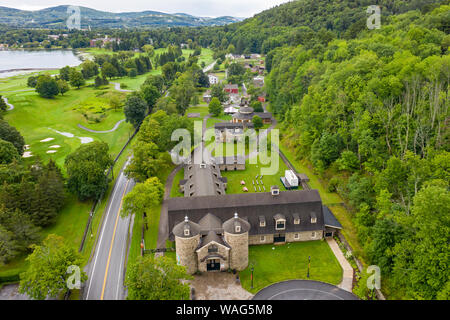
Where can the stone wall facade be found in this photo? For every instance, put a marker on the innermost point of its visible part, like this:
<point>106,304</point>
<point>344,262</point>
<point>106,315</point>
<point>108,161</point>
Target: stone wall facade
<point>203,253</point>
<point>239,252</point>
<point>186,255</point>
<point>290,237</point>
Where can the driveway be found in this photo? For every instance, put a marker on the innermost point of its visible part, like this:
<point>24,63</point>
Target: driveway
<point>218,286</point>
<point>303,290</point>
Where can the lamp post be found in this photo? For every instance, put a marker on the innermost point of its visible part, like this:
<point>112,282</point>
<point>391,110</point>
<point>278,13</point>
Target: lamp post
<point>252,276</point>
<point>309,264</point>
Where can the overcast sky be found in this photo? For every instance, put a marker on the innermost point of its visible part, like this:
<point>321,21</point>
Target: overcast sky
<point>210,8</point>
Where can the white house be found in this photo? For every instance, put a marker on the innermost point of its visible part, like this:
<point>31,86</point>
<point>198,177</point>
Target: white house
<point>213,79</point>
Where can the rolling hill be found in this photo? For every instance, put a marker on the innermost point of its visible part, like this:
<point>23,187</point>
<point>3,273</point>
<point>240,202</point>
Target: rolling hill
<point>56,17</point>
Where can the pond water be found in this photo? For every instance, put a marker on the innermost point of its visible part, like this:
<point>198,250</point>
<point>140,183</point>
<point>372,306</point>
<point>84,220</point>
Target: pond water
<point>19,61</point>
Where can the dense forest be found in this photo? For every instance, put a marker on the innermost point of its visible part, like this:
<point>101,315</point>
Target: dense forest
<point>371,114</point>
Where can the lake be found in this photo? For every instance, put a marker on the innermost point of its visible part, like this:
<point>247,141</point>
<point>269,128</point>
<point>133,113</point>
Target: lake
<point>15,61</point>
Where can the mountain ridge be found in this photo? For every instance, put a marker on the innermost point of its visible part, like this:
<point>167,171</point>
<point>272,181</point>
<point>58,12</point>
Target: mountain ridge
<point>56,17</point>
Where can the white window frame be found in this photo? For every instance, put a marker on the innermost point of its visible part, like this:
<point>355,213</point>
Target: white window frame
<point>262,239</point>
<point>313,235</point>
<point>187,233</point>
<point>237,229</point>
<point>313,220</point>
<point>262,223</point>
<point>296,236</point>
<point>297,221</point>
<point>276,224</point>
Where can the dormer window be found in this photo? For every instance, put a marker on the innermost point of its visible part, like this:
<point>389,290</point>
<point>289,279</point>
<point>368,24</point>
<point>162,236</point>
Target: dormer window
<point>313,217</point>
<point>237,228</point>
<point>280,222</point>
<point>213,249</point>
<point>296,218</point>
<point>262,221</point>
<point>281,225</point>
<point>186,232</point>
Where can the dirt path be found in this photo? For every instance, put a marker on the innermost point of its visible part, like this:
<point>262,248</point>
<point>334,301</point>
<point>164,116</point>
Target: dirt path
<point>116,126</point>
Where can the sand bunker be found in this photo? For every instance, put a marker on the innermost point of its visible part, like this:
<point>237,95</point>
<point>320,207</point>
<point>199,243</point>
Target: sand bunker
<point>66,134</point>
<point>26,147</point>
<point>48,139</point>
<point>51,151</point>
<point>85,139</point>
<point>55,147</point>
<point>27,154</point>
<point>70,135</point>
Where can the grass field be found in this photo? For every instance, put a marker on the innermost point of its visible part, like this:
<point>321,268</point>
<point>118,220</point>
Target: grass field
<point>150,235</point>
<point>249,174</point>
<point>175,191</point>
<point>273,264</point>
<point>37,118</point>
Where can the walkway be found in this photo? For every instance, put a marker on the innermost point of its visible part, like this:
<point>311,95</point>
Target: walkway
<point>117,87</point>
<point>347,280</point>
<point>116,126</point>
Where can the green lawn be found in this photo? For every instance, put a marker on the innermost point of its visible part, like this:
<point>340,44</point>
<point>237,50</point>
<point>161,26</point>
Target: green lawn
<point>222,118</point>
<point>37,118</point>
<point>136,82</point>
<point>249,174</point>
<point>150,235</point>
<point>203,110</point>
<point>175,191</point>
<point>273,264</point>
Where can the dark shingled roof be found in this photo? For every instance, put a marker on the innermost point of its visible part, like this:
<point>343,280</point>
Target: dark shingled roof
<point>194,229</point>
<point>228,125</point>
<point>329,219</point>
<point>250,206</point>
<point>210,237</point>
<point>246,110</point>
<point>210,222</point>
<point>229,226</point>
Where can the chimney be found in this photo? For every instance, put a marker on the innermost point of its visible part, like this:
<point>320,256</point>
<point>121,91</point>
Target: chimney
<point>275,190</point>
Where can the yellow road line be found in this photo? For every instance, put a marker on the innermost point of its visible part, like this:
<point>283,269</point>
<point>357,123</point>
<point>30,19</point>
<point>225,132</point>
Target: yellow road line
<point>112,242</point>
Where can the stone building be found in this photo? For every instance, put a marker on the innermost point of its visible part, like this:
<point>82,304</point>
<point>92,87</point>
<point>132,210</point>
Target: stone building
<point>230,132</point>
<point>212,245</point>
<point>246,114</point>
<point>212,233</point>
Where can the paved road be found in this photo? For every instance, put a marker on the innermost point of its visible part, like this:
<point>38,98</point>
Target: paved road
<point>303,290</point>
<point>106,269</point>
<point>210,67</point>
<point>116,126</point>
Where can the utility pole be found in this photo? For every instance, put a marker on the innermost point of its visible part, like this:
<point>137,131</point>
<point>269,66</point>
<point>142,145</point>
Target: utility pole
<point>252,276</point>
<point>309,265</point>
